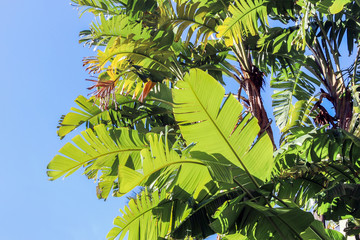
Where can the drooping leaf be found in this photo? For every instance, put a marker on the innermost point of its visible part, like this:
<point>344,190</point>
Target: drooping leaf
<point>97,149</point>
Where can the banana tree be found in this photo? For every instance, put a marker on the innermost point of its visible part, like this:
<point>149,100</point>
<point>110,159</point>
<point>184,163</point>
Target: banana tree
<point>159,117</point>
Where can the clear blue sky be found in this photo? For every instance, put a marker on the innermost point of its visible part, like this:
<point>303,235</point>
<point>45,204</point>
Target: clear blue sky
<point>41,76</point>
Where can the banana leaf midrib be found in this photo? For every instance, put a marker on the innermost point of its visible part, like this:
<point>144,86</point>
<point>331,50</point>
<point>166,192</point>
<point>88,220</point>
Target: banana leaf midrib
<point>224,138</point>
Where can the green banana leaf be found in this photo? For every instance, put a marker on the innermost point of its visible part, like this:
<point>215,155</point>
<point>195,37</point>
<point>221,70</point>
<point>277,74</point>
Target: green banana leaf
<point>216,127</point>
<point>98,149</point>
<point>154,213</point>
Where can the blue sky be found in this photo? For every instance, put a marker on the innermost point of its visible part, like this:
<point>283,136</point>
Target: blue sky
<point>41,76</point>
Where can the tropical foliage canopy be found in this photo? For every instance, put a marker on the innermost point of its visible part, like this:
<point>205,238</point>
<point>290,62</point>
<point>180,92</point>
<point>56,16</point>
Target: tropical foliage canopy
<point>203,162</point>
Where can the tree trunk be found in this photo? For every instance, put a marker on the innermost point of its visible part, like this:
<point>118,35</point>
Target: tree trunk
<point>252,89</point>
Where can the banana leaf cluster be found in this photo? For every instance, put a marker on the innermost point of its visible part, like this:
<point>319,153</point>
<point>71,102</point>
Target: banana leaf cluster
<point>203,162</point>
